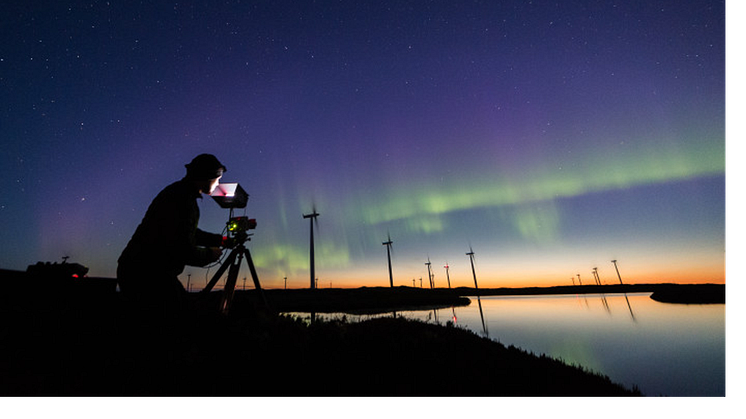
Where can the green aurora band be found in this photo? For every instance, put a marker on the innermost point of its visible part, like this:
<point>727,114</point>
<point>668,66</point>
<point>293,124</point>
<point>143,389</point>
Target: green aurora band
<point>528,203</point>
<point>623,172</point>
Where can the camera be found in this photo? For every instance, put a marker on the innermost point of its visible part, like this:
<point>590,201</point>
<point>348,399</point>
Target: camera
<point>232,195</point>
<point>241,224</point>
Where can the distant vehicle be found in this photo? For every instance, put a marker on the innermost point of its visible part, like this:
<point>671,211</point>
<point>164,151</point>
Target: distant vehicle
<point>56,270</point>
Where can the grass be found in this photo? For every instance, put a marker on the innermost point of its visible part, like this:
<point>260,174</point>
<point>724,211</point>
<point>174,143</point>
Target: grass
<point>74,345</point>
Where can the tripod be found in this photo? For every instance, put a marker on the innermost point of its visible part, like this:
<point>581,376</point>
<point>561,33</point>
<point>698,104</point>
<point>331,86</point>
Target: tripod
<point>234,263</point>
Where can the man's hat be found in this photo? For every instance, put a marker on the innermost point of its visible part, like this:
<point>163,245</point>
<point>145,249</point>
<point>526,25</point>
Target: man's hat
<point>203,167</point>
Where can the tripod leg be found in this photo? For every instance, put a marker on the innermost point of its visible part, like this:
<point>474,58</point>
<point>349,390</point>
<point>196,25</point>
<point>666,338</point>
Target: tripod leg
<point>255,277</point>
<point>230,285</point>
<point>215,278</point>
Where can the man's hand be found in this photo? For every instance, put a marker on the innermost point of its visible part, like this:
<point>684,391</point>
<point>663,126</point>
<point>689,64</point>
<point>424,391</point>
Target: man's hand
<point>227,243</point>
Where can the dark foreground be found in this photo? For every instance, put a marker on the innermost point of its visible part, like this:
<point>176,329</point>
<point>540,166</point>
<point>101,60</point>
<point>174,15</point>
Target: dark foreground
<point>65,344</point>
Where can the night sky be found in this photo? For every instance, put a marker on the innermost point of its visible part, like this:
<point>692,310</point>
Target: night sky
<point>550,137</point>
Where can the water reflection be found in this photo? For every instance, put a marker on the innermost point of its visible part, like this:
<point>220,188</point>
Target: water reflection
<point>664,349</point>
<point>630,307</point>
<point>481,315</point>
<point>605,303</point>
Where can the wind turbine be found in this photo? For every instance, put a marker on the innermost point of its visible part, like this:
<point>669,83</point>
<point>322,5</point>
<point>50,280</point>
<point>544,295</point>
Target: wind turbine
<point>581,282</point>
<point>312,219</point>
<point>429,273</point>
<point>617,271</point>
<point>388,253</point>
<point>625,294</point>
<point>595,275</point>
<point>473,272</point>
<point>448,277</point>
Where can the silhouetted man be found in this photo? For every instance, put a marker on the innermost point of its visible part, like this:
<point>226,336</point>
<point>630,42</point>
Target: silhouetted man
<point>167,239</point>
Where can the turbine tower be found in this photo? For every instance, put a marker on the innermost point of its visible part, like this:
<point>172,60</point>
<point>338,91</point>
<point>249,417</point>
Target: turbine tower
<point>429,273</point>
<point>312,218</point>
<point>617,271</point>
<point>595,275</point>
<point>448,276</point>
<point>473,272</point>
<point>388,253</point>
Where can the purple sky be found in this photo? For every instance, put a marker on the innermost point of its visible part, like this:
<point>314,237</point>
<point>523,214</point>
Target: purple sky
<point>550,137</point>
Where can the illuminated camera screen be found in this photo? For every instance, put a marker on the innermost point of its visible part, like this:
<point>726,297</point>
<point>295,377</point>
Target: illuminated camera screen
<point>230,195</point>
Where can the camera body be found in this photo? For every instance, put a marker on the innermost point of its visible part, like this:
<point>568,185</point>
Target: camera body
<point>241,224</point>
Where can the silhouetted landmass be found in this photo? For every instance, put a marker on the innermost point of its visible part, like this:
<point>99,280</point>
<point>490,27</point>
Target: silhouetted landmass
<point>267,355</point>
<point>66,343</point>
<point>691,294</point>
<point>363,300</point>
<point>386,299</point>
<point>673,293</point>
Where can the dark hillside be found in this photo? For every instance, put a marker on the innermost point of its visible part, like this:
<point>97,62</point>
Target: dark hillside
<point>74,345</point>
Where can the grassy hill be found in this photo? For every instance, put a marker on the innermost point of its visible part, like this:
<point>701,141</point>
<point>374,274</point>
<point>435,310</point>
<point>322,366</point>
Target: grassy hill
<point>63,344</point>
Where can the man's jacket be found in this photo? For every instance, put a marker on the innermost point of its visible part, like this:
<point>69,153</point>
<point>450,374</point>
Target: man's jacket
<point>167,239</point>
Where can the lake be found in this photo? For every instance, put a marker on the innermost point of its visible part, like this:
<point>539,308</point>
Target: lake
<point>663,349</point>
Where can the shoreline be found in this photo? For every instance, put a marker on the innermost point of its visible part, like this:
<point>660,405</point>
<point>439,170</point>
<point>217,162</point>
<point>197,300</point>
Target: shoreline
<point>73,346</point>
<point>384,299</point>
<point>664,292</point>
<point>92,332</point>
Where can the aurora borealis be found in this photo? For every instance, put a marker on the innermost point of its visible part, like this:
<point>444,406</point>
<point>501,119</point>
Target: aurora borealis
<point>549,137</point>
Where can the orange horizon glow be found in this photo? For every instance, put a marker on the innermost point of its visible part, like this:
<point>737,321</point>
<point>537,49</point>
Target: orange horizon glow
<point>340,280</point>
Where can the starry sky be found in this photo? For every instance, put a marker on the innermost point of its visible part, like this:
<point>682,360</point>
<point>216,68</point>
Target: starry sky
<point>549,137</point>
